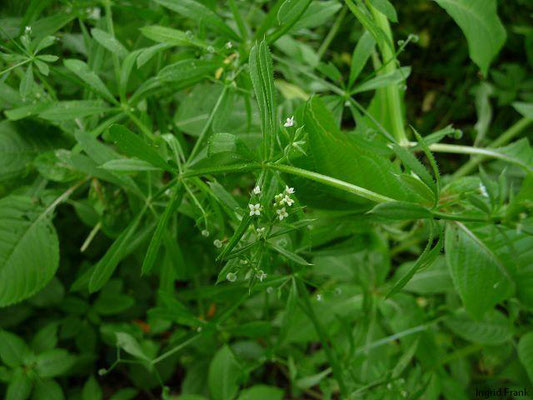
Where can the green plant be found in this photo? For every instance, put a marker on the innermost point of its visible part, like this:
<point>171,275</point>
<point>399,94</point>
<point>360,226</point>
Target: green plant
<point>195,206</point>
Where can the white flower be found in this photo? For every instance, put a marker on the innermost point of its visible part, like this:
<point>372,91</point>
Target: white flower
<point>255,209</point>
<point>257,190</point>
<point>217,243</point>
<point>27,30</point>
<point>229,45</point>
<point>289,122</point>
<point>93,13</point>
<point>483,190</point>
<point>205,233</point>
<point>318,297</point>
<point>282,213</point>
<point>287,200</point>
<point>231,277</point>
<point>261,275</point>
<point>260,231</point>
<point>289,190</point>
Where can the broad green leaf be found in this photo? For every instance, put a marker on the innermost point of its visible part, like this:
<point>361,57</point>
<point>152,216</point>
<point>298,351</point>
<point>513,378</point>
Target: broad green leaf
<point>13,350</point>
<point>198,12</point>
<point>72,109</point>
<point>475,269</point>
<point>47,389</point>
<point>107,264</point>
<point>53,363</point>
<point>526,109</point>
<point>131,346</point>
<point>29,254</point>
<point>228,143</point>
<point>381,81</point>
<point>493,329</point>
<point>479,21</point>
<point>362,52</point>
<point>94,82</point>
<point>261,73</point>
<point>400,211</point>
<point>171,36</point>
<point>19,387</point>
<point>155,243</point>
<point>134,146</point>
<point>91,390</point>
<point>45,339</point>
<point>109,42</point>
<point>224,375</point>
<point>49,25</point>
<point>386,8</point>
<point>261,392</point>
<point>525,353</point>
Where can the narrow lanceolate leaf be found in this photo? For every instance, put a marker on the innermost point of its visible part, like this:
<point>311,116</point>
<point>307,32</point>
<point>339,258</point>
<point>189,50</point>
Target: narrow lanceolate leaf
<point>198,12</point>
<point>134,146</point>
<point>224,375</point>
<point>237,235</point>
<point>526,109</point>
<point>289,254</point>
<point>109,42</point>
<point>186,70</point>
<point>171,36</point>
<point>381,81</point>
<point>479,277</point>
<point>29,249</point>
<point>478,19</point>
<point>69,110</point>
<point>94,82</point>
<point>519,153</point>
<point>364,48</point>
<point>107,265</point>
<point>262,76</point>
<point>525,353</point>
<point>155,244</point>
<point>129,165</point>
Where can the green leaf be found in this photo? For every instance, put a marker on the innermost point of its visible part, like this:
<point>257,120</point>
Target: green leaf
<point>400,211</point>
<point>29,255</point>
<point>94,82</point>
<point>131,346</point>
<point>475,269</point>
<point>155,243</point>
<point>525,353</point>
<point>91,390</point>
<point>134,146</point>
<point>26,83</point>
<point>386,8</point>
<point>109,42</point>
<point>47,389</point>
<point>124,394</point>
<point>289,254</point>
<point>381,81</point>
<point>262,76</point>
<point>199,13</point>
<point>261,392</point>
<point>53,363</point>
<point>478,19</point>
<point>45,339</point>
<point>129,165</point>
<point>526,109</point>
<point>362,52</point>
<point>13,350</point>
<point>69,110</point>
<point>228,143</point>
<point>19,387</point>
<point>292,10</point>
<point>224,375</point>
<point>107,264</point>
<point>171,36</point>
<point>493,329</point>
<point>519,153</point>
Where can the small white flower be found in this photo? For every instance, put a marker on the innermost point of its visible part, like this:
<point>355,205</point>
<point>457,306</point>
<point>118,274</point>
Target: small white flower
<point>289,122</point>
<point>261,275</point>
<point>217,243</point>
<point>483,190</point>
<point>205,233</point>
<point>289,190</point>
<point>260,231</point>
<point>257,190</point>
<point>287,200</point>
<point>27,30</point>
<point>255,209</point>
<point>282,213</point>
<point>231,277</point>
<point>318,297</point>
<point>210,49</point>
<point>93,13</point>
<point>229,45</point>
<point>270,289</point>
<point>199,329</point>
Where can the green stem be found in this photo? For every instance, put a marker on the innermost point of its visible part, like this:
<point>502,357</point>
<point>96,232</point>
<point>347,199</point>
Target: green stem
<point>114,57</point>
<point>14,66</point>
<point>391,92</point>
<point>331,34</point>
<point>239,20</point>
<point>504,138</point>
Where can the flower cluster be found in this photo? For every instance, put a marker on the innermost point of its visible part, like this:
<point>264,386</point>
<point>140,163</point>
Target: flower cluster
<point>281,200</point>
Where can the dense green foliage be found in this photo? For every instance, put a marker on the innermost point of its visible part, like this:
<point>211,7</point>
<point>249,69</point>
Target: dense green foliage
<point>265,200</point>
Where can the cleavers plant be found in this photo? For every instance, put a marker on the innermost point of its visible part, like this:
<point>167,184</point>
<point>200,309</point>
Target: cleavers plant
<point>194,205</point>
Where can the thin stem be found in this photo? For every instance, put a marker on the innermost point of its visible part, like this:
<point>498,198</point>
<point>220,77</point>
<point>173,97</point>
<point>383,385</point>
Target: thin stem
<point>114,57</point>
<point>239,20</point>
<point>14,66</point>
<point>331,34</point>
<point>504,138</point>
